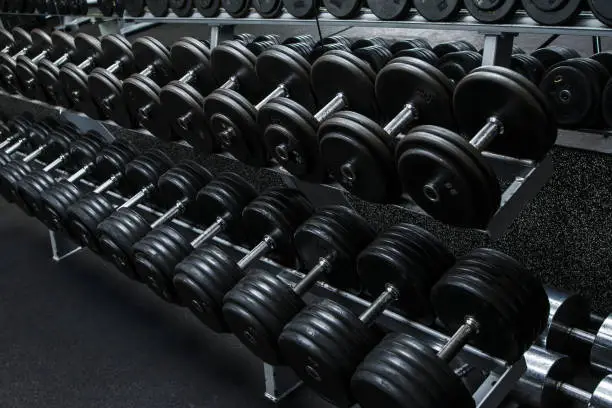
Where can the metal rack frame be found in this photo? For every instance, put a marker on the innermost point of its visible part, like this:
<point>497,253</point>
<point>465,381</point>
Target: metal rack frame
<point>525,178</point>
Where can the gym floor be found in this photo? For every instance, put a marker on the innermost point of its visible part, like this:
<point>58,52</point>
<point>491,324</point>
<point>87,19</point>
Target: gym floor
<point>78,334</point>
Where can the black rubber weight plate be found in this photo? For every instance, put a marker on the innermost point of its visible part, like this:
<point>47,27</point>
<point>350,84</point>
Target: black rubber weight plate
<point>602,10</point>
<point>159,8</point>
<point>208,8</point>
<point>390,9</point>
<point>135,8</point>
<point>343,8</point>
<point>438,10</point>
<point>552,12</point>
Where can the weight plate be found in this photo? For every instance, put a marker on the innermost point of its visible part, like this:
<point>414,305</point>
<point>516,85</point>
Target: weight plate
<point>302,8</point>
<point>456,65</point>
<point>78,7</point>
<point>602,9</point>
<point>188,59</point>
<point>230,59</point>
<point>74,82</point>
<point>48,79</point>
<point>107,7</point>
<point>438,11</point>
<point>290,136</point>
<point>22,38</point>
<point>149,52</point>
<point>86,46</point>
<point>556,12</point>
<point>208,8</point>
<point>452,46</point>
<point>141,95</point>
<point>268,8</point>
<point>233,123</point>
<point>115,48</point>
<point>390,9</point>
<point>344,9</point>
<point>491,11</point>
<point>553,55</point>
<point>182,106</point>
<point>136,8</point>
<point>605,59</point>
<point>182,8</point>
<point>6,39</point>
<point>236,8</point>
<point>106,92</point>
<point>528,66</point>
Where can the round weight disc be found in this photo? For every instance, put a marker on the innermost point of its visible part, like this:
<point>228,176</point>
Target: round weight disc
<point>491,11</point>
<point>552,13</point>
<point>236,8</point>
<point>268,8</point>
<point>136,8</point>
<point>107,94</point>
<point>141,95</point>
<point>602,9</point>
<point>148,51</point>
<point>208,8</point>
<point>115,48</point>
<point>182,8</point>
<point>232,59</point>
<point>344,9</point>
<point>74,82</point>
<point>390,9</point>
<point>107,7</point>
<point>187,58</point>
<point>438,11</point>
<point>302,8</point>
<point>527,127</point>
<point>186,115</point>
<point>6,39</point>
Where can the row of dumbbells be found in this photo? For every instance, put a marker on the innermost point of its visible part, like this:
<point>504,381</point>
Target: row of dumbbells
<point>543,12</point>
<point>323,119</point>
<point>485,297</point>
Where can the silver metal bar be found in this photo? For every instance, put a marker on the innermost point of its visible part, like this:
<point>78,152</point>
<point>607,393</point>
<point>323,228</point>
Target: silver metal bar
<point>56,162</point>
<point>265,246</point>
<point>61,246</point>
<point>114,66</point>
<point>573,392</point>
<point>111,181</point>
<point>62,60</point>
<point>279,382</point>
<point>220,32</point>
<point>86,63</point>
<point>136,198</point>
<point>175,210</point>
<point>40,56</point>
<point>37,152</point>
<point>15,146</point>
<point>489,131</point>
<point>279,91</point>
<point>311,278</point>
<point>148,70</point>
<point>337,103</point>
<point>596,44</point>
<point>458,340</point>
<point>80,173</point>
<point>407,115</point>
<point>212,230</point>
<point>8,140</point>
<point>377,307</point>
<point>231,83</point>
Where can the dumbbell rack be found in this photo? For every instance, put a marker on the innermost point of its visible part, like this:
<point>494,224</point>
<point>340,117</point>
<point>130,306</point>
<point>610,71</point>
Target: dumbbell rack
<point>523,179</point>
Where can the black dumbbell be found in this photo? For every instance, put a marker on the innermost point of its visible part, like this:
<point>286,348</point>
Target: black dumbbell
<point>190,60</point>
<point>203,278</point>
<point>57,142</point>
<point>568,330</point>
<point>208,8</point>
<point>236,8</point>
<point>181,8</point>
<point>409,43</point>
<point>559,13</point>
<point>602,10</point>
<point>35,43</point>
<point>26,68</point>
<point>283,70</point>
<point>390,9</point>
<point>14,130</point>
<point>268,8</point>
<point>7,40</point>
<point>105,81</point>
<point>528,66</point>
<point>177,188</point>
<point>452,46</point>
<point>220,204</point>
<point>510,117</point>
<point>110,7</point>
<point>342,81</point>
<point>545,383</point>
<point>574,89</point>
<point>136,8</point>
<point>261,304</point>
<point>400,267</point>
<point>140,178</point>
<point>33,136</point>
<point>456,65</point>
<point>424,54</point>
<point>233,66</point>
<point>344,9</point>
<point>496,12</point>
<point>331,43</point>
<point>439,11</point>
<point>604,58</point>
<point>55,201</point>
<point>358,152</point>
<point>116,49</point>
<point>48,72</point>
<point>82,151</point>
<point>554,54</point>
<point>303,8</point>
<point>141,90</point>
<point>487,299</point>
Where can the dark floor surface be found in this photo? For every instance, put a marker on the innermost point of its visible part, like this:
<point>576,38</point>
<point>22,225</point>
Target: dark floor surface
<point>77,334</point>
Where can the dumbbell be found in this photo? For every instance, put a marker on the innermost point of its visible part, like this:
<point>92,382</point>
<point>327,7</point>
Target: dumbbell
<point>559,13</point>
<point>341,80</point>
<point>496,12</point>
<point>18,6</point>
<point>55,201</point>
<point>39,44</point>
<point>544,383</point>
<point>86,47</point>
<point>177,189</point>
<point>203,278</point>
<point>344,9</point>
<point>261,304</point>
<point>487,299</point>
<point>268,8</point>
<point>220,204</point>
<point>57,141</point>
<point>602,10</point>
<point>190,60</point>
<point>452,46</point>
<point>139,176</point>
<point>105,82</point>
<point>7,40</point>
<point>208,8</point>
<point>331,43</point>
<point>283,70</point>
<point>358,152</point>
<point>14,130</point>
<point>116,50</point>
<point>26,68</point>
<point>34,135</point>
<point>399,267</point>
<point>439,11</point>
<point>390,9</point>
<point>554,54</point>
<point>574,89</point>
<point>456,65</point>
<point>110,7</point>
<point>82,151</point>
<point>510,117</point>
<point>141,90</point>
<point>568,322</point>
<point>303,8</point>
<point>233,66</point>
<point>528,66</point>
